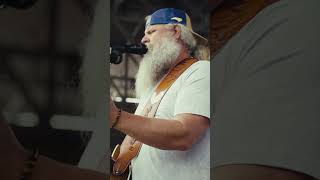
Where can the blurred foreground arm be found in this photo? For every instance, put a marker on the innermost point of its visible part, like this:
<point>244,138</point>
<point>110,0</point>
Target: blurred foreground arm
<point>13,157</point>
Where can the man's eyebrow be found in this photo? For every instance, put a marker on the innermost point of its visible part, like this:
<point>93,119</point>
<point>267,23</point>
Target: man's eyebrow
<point>149,31</point>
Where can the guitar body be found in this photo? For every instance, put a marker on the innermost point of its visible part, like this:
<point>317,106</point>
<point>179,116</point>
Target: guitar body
<point>124,176</point>
<point>122,155</point>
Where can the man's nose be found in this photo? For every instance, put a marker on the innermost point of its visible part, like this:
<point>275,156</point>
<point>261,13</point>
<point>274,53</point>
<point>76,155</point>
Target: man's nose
<point>144,40</point>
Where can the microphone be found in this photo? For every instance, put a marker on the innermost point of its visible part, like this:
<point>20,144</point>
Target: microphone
<point>117,51</point>
<point>130,48</point>
<point>18,4</point>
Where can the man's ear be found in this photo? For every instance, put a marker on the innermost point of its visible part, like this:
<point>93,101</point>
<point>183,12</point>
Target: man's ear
<point>177,32</point>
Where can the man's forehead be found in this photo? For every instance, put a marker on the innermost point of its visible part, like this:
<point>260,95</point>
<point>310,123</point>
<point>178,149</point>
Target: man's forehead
<point>156,26</point>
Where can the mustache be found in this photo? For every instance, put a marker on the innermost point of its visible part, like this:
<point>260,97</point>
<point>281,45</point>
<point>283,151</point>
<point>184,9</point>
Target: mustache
<point>149,46</point>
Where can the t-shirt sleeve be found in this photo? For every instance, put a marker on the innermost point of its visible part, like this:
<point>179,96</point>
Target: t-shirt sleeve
<point>194,95</point>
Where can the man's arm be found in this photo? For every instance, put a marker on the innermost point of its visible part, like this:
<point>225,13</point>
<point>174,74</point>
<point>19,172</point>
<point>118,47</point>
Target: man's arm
<point>176,134</point>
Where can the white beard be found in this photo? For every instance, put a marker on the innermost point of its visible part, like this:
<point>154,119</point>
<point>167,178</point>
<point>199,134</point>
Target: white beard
<point>155,64</point>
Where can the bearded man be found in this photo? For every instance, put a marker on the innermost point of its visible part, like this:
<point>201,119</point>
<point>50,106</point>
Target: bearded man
<point>171,122</point>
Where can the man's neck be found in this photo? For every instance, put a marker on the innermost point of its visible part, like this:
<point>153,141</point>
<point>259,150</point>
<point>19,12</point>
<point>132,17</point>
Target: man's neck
<point>229,17</point>
<point>183,55</point>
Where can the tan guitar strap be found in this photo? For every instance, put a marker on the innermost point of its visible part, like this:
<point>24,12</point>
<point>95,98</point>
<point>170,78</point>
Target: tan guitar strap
<point>130,147</point>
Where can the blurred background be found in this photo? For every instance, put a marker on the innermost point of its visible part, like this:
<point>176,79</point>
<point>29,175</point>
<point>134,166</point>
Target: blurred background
<point>127,27</point>
<point>41,51</point>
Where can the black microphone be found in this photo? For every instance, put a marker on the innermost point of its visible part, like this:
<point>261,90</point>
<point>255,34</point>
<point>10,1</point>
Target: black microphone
<point>130,48</point>
<point>117,51</point>
<point>18,4</point>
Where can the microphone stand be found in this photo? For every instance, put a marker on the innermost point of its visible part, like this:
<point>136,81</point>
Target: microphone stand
<point>115,57</point>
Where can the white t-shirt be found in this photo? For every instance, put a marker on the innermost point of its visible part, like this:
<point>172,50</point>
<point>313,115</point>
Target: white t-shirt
<point>266,90</point>
<point>190,93</point>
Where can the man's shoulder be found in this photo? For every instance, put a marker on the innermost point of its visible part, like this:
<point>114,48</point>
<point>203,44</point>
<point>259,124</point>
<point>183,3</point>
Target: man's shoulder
<point>200,70</point>
<point>202,63</point>
<point>201,67</point>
